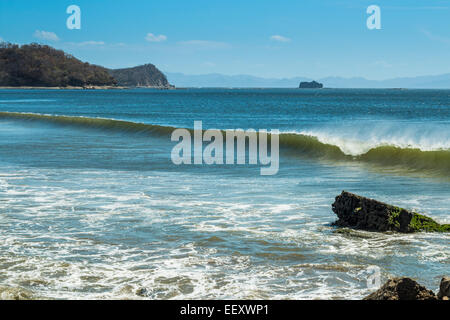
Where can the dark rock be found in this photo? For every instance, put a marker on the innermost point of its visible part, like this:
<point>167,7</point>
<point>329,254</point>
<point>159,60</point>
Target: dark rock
<point>311,85</point>
<point>358,212</point>
<point>444,289</point>
<point>402,289</point>
<point>142,292</point>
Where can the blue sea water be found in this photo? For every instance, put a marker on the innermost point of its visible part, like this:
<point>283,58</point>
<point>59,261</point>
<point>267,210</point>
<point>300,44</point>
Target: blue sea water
<point>94,208</point>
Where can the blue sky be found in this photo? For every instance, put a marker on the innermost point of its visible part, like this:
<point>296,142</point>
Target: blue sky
<point>282,38</point>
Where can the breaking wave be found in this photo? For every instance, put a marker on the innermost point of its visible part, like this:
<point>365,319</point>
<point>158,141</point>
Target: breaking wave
<point>312,145</point>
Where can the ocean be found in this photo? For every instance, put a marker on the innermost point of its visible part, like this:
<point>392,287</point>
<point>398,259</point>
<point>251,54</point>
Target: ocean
<point>92,207</point>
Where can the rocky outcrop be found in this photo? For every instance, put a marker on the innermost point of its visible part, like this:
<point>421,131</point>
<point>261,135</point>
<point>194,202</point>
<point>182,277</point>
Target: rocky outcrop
<point>402,289</point>
<point>310,85</point>
<point>358,212</point>
<point>444,289</point>
<point>141,76</point>
<point>35,65</point>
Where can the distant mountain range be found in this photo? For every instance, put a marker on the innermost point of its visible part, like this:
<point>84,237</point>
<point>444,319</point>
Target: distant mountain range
<point>220,80</point>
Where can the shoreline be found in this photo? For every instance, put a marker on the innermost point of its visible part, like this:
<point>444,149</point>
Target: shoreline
<point>63,88</point>
<point>80,88</point>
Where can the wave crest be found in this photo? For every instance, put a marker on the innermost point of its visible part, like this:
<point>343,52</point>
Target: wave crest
<point>432,161</point>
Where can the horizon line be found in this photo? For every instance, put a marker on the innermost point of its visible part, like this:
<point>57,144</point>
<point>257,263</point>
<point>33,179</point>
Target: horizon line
<point>303,77</point>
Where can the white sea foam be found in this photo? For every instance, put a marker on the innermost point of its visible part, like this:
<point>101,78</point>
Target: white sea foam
<point>362,137</point>
<point>86,234</point>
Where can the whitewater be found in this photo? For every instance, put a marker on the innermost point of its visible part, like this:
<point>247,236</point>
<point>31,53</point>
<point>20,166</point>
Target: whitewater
<point>91,205</point>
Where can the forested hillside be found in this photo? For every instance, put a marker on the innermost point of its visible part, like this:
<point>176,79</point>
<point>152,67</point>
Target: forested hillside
<point>44,66</point>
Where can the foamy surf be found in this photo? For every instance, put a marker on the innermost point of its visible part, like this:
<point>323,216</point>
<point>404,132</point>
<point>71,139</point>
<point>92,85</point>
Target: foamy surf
<point>91,206</point>
<point>360,138</point>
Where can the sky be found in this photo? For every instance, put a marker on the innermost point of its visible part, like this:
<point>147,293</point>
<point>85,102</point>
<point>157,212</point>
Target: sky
<point>278,39</point>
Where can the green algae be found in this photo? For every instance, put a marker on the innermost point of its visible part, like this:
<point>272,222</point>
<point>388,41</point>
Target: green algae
<point>417,223</point>
<point>423,223</point>
<point>393,218</point>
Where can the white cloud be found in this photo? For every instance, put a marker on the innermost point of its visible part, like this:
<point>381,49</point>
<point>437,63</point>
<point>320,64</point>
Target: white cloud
<point>1,39</point>
<point>91,43</point>
<point>154,38</point>
<point>382,64</point>
<point>205,44</point>
<point>403,8</point>
<point>434,37</point>
<point>279,38</point>
<point>46,35</point>
<point>86,43</point>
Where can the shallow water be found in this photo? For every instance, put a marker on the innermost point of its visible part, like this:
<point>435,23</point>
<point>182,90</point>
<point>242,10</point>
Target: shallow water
<point>91,210</point>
